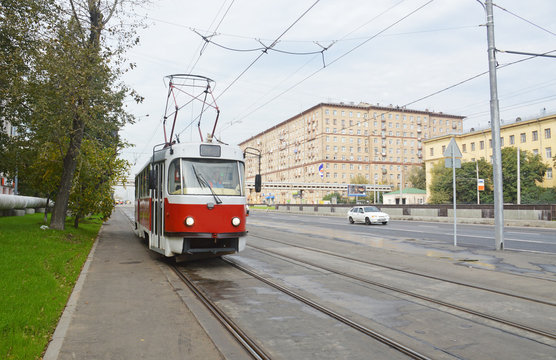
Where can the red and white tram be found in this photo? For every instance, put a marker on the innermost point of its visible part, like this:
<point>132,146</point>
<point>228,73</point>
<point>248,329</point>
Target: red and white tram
<point>190,199</point>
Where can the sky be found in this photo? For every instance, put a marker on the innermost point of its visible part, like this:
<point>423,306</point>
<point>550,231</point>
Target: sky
<point>397,52</point>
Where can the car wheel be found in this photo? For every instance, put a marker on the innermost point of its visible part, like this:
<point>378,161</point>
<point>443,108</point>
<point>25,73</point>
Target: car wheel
<point>351,220</point>
<point>367,221</point>
<point>384,222</point>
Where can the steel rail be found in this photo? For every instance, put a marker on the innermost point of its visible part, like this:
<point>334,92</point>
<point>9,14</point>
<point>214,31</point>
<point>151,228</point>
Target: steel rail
<point>250,346</point>
<point>539,301</point>
<point>369,332</point>
<point>418,296</point>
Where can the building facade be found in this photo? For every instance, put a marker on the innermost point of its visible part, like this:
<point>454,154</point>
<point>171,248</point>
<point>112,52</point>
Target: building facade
<point>410,196</point>
<point>533,135</point>
<point>332,143</point>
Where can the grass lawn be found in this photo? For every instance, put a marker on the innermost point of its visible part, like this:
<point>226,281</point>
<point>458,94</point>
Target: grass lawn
<point>38,269</point>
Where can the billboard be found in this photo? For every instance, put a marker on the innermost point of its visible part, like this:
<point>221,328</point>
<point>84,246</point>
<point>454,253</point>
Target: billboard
<point>357,190</point>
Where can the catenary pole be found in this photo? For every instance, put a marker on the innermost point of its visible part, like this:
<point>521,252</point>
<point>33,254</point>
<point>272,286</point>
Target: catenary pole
<point>478,192</point>
<point>454,196</point>
<point>495,127</point>
<point>518,177</point>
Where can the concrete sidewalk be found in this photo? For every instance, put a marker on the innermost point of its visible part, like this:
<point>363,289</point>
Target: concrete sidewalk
<point>125,307</point>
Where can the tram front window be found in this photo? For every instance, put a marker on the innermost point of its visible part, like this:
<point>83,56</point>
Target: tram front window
<point>205,177</point>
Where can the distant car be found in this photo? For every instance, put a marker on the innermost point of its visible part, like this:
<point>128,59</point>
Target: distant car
<point>368,215</point>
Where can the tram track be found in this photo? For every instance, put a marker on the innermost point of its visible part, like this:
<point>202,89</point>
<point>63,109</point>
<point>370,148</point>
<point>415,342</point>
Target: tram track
<point>365,330</point>
<point>251,346</point>
<point>394,268</point>
<point>245,340</point>
<point>445,304</point>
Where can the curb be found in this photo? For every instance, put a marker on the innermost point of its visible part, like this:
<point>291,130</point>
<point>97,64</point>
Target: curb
<point>53,349</point>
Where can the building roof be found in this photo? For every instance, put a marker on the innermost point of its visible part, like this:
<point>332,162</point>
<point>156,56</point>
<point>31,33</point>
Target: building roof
<point>408,191</point>
<point>352,105</point>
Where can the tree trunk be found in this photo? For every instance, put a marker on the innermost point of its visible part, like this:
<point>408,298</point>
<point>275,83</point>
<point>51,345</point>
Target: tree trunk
<point>58,218</point>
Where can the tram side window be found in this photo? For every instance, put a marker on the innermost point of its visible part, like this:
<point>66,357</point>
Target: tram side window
<point>174,183</point>
<point>144,183</point>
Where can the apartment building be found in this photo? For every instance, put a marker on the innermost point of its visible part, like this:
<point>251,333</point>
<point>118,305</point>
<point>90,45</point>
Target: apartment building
<point>536,135</point>
<point>331,143</point>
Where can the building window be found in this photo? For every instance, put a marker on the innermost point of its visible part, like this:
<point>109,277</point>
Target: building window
<point>547,133</point>
<point>490,143</point>
<point>549,173</point>
<point>482,145</point>
<point>432,152</point>
<point>535,136</point>
<point>535,151</point>
<point>523,137</point>
<point>464,147</point>
<point>512,139</point>
<point>501,141</point>
<point>548,153</point>
<point>472,146</point>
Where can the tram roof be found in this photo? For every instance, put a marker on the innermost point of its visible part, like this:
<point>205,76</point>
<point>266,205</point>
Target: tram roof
<point>197,150</point>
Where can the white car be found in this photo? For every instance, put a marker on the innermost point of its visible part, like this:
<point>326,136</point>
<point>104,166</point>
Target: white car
<point>368,215</point>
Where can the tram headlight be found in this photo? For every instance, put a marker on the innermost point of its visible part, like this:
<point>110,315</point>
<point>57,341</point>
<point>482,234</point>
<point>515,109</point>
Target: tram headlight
<point>189,221</point>
<point>236,221</point>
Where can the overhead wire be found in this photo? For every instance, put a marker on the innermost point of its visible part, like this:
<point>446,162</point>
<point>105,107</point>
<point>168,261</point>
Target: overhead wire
<point>257,58</point>
<point>340,57</point>
<point>266,50</point>
<point>203,46</point>
<point>522,18</point>
<point>310,60</point>
<point>450,87</point>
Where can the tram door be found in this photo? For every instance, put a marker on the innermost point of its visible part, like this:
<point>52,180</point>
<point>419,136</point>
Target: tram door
<point>158,206</point>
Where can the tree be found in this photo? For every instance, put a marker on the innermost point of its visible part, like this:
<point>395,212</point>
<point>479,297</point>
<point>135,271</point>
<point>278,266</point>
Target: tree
<point>417,177</point>
<point>98,171</point>
<point>532,173</point>
<point>66,92</point>
<point>441,184</point>
<point>21,31</point>
<point>337,195</point>
<point>93,101</point>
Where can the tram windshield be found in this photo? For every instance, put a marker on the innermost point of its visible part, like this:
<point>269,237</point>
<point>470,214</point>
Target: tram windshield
<point>206,177</point>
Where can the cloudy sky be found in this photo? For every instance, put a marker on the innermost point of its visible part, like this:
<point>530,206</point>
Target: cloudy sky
<point>382,51</point>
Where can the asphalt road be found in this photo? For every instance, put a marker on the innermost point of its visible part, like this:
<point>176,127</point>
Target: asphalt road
<point>477,236</point>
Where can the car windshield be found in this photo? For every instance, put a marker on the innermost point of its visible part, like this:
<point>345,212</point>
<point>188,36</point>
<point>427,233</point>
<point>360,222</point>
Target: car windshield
<point>205,177</point>
<point>371,209</point>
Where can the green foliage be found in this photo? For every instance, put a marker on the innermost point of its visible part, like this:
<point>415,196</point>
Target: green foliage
<point>337,195</point>
<point>441,184</point>
<point>59,87</point>
<point>417,177</point>
<point>39,269</point>
<point>99,171</point>
<point>532,173</point>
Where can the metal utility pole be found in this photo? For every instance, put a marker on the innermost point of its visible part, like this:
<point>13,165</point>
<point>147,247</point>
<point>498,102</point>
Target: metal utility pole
<point>518,177</point>
<point>495,126</point>
<point>478,192</point>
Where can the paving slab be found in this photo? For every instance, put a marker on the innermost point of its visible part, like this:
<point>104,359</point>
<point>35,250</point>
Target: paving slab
<point>124,307</point>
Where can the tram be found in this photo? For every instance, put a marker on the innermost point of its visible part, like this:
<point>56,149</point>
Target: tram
<point>190,200</point>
